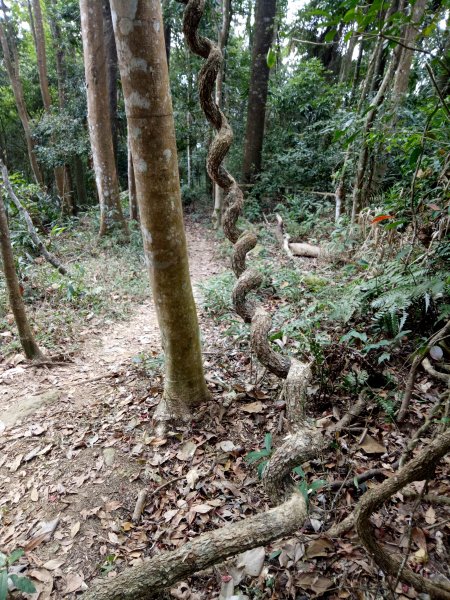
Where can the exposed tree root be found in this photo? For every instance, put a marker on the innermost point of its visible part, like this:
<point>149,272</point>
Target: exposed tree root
<point>148,580</point>
<point>419,468</point>
<point>445,377</point>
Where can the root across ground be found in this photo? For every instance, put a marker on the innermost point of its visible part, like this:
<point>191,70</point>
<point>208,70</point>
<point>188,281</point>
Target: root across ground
<point>78,445</point>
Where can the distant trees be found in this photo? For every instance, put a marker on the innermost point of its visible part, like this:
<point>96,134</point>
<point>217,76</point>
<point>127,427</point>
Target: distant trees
<point>99,117</point>
<point>143,68</point>
<point>257,97</point>
<point>11,62</point>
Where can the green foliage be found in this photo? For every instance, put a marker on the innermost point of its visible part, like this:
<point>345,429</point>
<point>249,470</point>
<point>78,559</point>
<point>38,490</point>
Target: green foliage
<point>20,582</point>
<point>216,293</point>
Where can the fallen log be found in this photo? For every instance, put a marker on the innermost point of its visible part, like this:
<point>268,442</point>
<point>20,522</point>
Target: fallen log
<point>148,580</point>
<point>303,249</point>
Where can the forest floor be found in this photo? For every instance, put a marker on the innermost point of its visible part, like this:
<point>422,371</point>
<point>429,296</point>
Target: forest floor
<point>77,445</point>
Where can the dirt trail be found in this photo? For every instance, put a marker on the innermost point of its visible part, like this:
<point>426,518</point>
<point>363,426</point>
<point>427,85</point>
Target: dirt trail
<point>76,444</point>
<point>105,351</point>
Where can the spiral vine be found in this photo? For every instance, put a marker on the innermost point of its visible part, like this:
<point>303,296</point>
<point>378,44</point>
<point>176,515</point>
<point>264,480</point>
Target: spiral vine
<point>306,441</point>
<point>248,279</point>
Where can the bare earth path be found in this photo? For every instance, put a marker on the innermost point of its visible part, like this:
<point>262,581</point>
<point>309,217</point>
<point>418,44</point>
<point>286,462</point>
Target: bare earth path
<point>66,437</point>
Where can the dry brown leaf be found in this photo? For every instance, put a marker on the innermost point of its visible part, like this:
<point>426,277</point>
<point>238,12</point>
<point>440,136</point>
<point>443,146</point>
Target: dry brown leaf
<point>201,508</point>
<point>371,446</point>
<point>113,505</point>
<point>320,547</point>
<point>54,564</point>
<point>74,583</point>
<point>34,495</point>
<point>192,477</point>
<point>314,582</point>
<point>187,450</point>
<point>430,516</point>
<point>252,561</point>
<point>253,407</point>
<point>16,463</point>
<point>75,529</point>
<point>127,526</point>
<point>43,534</point>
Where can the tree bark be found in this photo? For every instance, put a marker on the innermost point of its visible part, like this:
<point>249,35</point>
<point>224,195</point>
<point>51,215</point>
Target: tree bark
<point>12,67</point>
<point>29,345</point>
<point>111,71</point>
<point>410,34</point>
<point>138,28</point>
<point>254,134</point>
<point>99,117</point>
<point>132,198</point>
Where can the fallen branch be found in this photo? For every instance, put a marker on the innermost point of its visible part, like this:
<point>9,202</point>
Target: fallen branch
<point>148,580</point>
<point>419,468</point>
<point>445,377</point>
<point>303,249</point>
<point>31,229</point>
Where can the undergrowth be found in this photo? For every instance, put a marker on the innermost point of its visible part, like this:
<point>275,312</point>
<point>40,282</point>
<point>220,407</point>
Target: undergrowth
<point>105,279</point>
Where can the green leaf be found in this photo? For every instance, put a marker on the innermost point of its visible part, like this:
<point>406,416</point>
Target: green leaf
<point>268,442</point>
<point>349,16</point>
<point>261,468</point>
<point>15,555</point>
<point>23,584</point>
<point>383,357</point>
<point>415,153</point>
<point>271,58</point>
<point>355,482</point>
<point>3,559</point>
<point>330,35</point>
<point>3,584</point>
<point>299,471</point>
<point>303,489</point>
<point>274,554</point>
<point>317,485</point>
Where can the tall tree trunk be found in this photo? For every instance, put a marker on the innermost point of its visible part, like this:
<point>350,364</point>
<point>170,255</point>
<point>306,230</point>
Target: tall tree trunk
<point>224,34</point>
<point>410,34</point>
<point>346,61</point>
<point>29,345</point>
<point>132,198</point>
<point>357,196</point>
<point>80,180</point>
<point>138,28</point>
<point>112,72</point>
<point>99,117</point>
<point>41,56</point>
<point>254,134</point>
<point>167,39</point>
<point>11,61</point>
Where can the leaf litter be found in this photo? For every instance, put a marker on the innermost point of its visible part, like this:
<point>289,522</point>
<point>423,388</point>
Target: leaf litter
<point>69,504</point>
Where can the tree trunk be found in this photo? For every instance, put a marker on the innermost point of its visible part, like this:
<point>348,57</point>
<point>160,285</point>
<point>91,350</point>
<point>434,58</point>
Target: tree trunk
<point>346,61</point>
<point>132,198</point>
<point>167,39</point>
<point>357,196</point>
<point>112,72</point>
<point>41,56</point>
<point>10,59</point>
<point>259,80</point>
<point>80,180</point>
<point>99,117</point>
<point>145,80</point>
<point>26,336</point>
<point>410,34</point>
<point>222,43</point>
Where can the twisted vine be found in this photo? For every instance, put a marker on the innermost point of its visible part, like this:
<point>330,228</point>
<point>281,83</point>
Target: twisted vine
<point>248,279</point>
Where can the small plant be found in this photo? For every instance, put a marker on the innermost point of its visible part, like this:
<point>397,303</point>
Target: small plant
<point>148,363</point>
<point>257,455</point>
<point>305,488</point>
<point>217,294</point>
<point>18,581</point>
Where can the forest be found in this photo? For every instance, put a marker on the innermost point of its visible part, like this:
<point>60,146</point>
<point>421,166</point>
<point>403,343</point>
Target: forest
<point>225,299</point>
